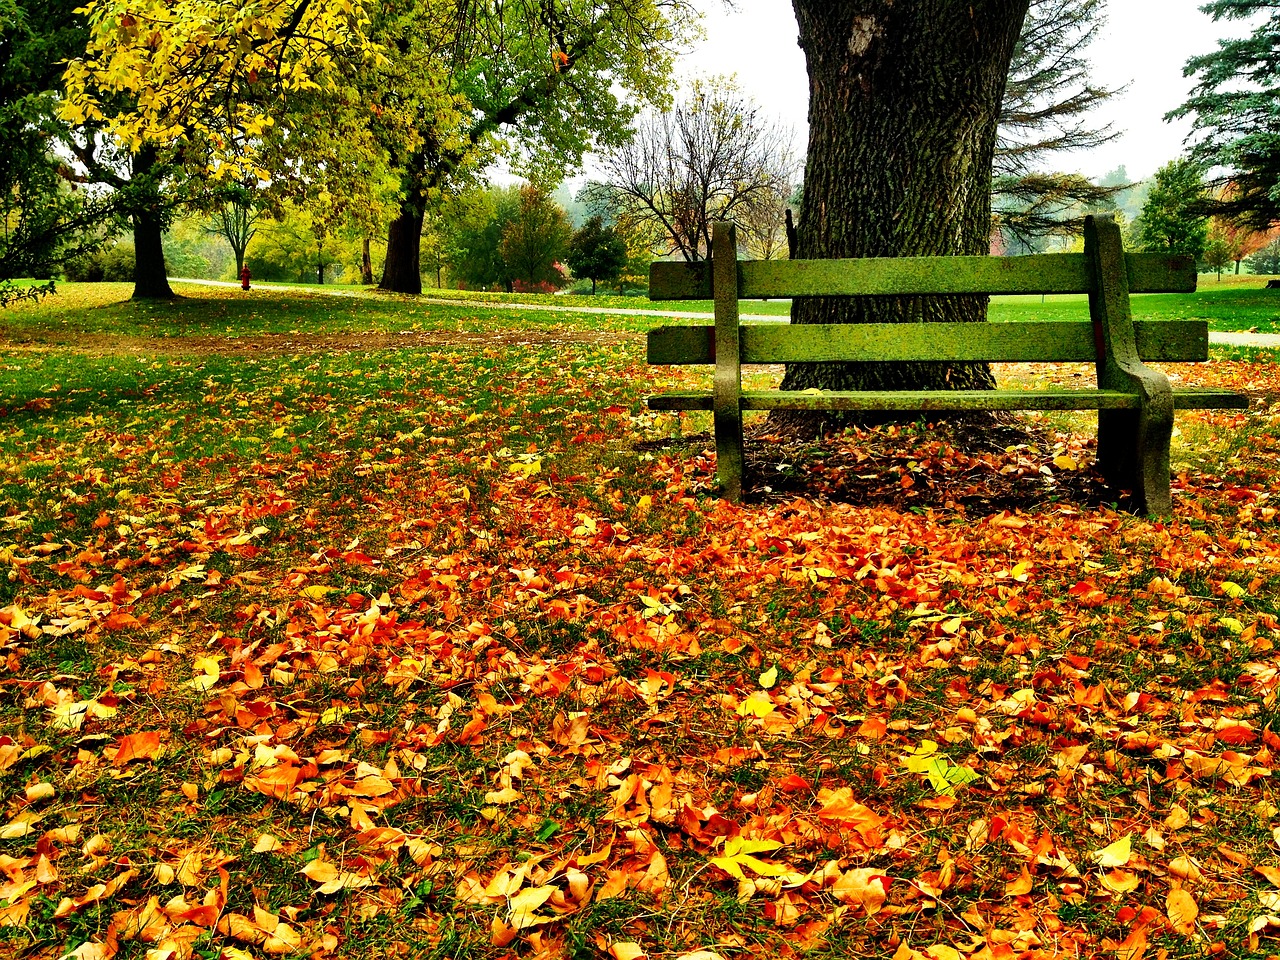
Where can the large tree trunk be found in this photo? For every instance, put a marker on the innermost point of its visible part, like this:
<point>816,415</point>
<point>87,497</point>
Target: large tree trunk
<point>402,271</point>
<point>150,277</point>
<point>903,103</point>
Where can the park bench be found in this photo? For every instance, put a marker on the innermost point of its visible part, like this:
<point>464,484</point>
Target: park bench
<point>1135,403</point>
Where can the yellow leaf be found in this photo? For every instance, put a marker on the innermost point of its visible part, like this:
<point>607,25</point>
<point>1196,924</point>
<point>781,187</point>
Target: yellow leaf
<point>1021,886</point>
<point>266,844</point>
<point>919,760</point>
<point>769,677</point>
<point>207,673</point>
<point>1233,590</point>
<point>316,592</point>
<point>1019,571</point>
<point>21,825</point>
<point>738,853</point>
<point>524,903</point>
<point>69,716</point>
<point>527,467</point>
<point>1115,855</point>
<point>321,871</point>
<point>1232,624</point>
<point>756,705</point>
<point>1121,881</point>
<point>1065,463</point>
<point>505,795</point>
<point>863,886</point>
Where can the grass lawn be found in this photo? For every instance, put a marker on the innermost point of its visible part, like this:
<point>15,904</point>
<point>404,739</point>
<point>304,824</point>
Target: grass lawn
<point>363,627</point>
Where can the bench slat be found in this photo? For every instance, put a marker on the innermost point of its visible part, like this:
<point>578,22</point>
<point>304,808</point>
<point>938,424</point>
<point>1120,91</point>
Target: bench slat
<point>1030,341</point>
<point>906,276</point>
<point>1190,399</point>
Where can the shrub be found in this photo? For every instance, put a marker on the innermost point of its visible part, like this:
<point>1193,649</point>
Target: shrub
<point>117,263</point>
<point>86,268</point>
<point>113,265</point>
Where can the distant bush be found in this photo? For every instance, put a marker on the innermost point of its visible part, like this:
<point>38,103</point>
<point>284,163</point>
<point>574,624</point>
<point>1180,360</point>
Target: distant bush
<point>84,269</point>
<point>117,263</point>
<point>112,265</point>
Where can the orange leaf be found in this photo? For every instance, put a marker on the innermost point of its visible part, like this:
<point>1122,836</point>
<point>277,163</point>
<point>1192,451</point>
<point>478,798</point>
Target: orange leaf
<point>138,746</point>
<point>1182,911</point>
<point>1021,886</point>
<point>252,676</point>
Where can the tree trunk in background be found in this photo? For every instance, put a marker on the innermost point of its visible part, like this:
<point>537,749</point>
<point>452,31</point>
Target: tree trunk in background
<point>903,104</point>
<point>150,278</point>
<point>366,264</point>
<point>402,272</point>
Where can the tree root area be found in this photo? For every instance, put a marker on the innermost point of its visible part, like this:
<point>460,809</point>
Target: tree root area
<point>981,465</point>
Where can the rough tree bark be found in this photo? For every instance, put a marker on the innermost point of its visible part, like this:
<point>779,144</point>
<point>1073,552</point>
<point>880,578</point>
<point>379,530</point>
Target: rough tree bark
<point>401,272</point>
<point>904,98</point>
<point>150,277</point>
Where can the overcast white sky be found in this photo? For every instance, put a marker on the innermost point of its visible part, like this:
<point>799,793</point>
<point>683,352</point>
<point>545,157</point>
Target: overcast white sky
<point>1143,45</point>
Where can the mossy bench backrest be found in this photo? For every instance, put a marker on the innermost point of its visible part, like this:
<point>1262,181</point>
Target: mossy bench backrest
<point>909,276</point>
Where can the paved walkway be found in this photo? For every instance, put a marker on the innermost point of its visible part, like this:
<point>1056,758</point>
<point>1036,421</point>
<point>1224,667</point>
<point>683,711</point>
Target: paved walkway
<point>1236,339</point>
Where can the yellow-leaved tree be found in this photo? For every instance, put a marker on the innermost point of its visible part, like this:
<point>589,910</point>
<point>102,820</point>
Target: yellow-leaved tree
<point>171,96</point>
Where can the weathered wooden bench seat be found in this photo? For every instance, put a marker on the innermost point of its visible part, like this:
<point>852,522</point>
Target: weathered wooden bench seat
<point>1135,403</point>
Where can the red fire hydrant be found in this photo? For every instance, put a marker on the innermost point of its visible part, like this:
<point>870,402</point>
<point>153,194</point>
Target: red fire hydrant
<point>244,277</point>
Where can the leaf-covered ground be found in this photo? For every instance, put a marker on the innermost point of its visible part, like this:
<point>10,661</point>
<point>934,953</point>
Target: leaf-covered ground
<point>340,650</point>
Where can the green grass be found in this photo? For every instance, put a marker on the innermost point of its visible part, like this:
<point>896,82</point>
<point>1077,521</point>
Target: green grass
<point>105,310</point>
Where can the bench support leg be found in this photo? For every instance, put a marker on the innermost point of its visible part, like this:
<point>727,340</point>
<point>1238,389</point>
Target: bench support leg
<point>729,455</point>
<point>727,386</point>
<point>1133,445</point>
<point>1133,453</point>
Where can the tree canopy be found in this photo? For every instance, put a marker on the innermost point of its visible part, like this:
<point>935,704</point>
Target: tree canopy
<point>1045,112</point>
<point>541,83</point>
<point>48,218</point>
<point>1172,219</point>
<point>1235,111</point>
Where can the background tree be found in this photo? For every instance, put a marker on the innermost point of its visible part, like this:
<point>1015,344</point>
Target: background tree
<point>1045,112</point>
<point>170,94</point>
<point>536,240</point>
<point>711,157</point>
<point>299,246</point>
<point>1233,108</point>
<point>904,103</point>
<point>1266,260</point>
<point>1172,220</point>
<point>1240,236</point>
<point>472,225</point>
<point>762,222</point>
<point>48,218</point>
<point>1217,252</point>
<point>542,81</point>
<point>596,253</point>
<point>234,219</point>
